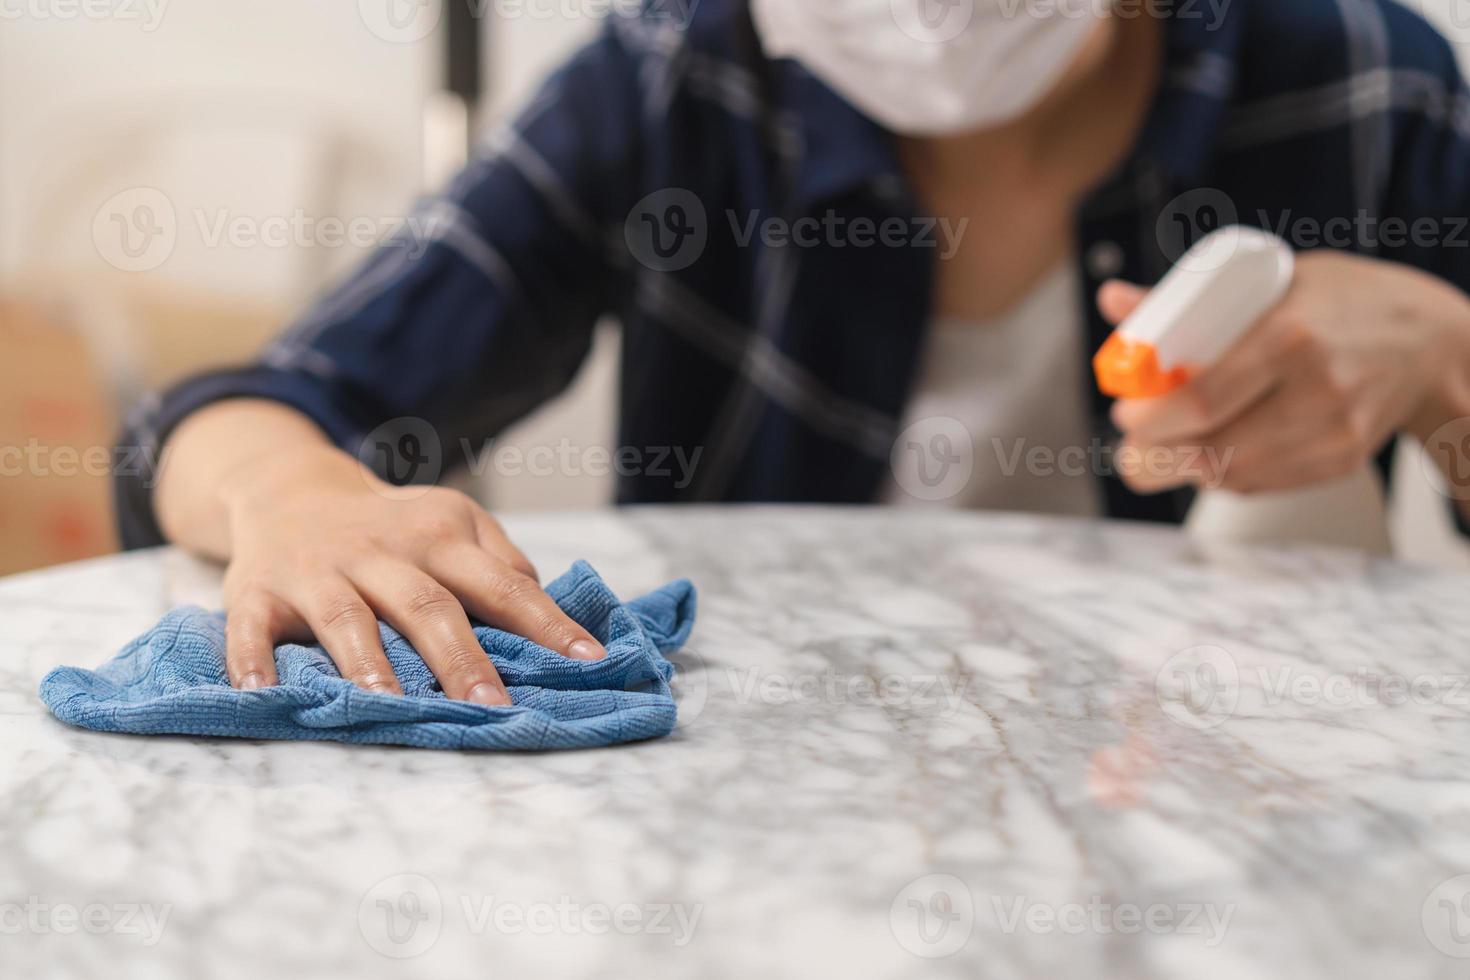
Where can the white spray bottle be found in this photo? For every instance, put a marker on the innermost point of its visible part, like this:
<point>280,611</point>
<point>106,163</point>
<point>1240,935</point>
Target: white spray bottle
<point>1213,295</point>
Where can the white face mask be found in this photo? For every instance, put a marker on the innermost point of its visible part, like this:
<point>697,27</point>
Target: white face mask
<point>930,67</point>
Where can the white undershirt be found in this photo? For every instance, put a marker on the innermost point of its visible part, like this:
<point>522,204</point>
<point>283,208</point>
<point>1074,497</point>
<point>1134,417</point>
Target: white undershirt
<point>1016,385</point>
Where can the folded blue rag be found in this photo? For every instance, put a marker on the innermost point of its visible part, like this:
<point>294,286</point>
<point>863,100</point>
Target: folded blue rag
<point>171,680</point>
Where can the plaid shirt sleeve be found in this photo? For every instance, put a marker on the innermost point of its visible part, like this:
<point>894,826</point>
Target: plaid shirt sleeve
<point>479,307</point>
<point>1428,196</point>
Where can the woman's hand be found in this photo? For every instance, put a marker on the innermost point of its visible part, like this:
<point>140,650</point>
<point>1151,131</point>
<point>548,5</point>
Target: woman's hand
<point>321,548</point>
<point>1358,350</point>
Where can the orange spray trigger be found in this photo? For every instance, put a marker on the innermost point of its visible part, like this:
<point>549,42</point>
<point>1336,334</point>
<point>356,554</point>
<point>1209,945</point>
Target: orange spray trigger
<point>1212,296</point>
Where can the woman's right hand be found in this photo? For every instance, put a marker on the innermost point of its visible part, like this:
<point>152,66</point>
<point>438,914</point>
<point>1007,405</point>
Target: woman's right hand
<point>320,548</point>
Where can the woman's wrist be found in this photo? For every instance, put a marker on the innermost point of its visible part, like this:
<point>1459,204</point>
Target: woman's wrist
<point>264,480</point>
<point>224,455</point>
<point>1447,392</point>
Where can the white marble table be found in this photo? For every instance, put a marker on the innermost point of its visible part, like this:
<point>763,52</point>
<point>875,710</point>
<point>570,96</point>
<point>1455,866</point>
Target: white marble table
<point>941,745</point>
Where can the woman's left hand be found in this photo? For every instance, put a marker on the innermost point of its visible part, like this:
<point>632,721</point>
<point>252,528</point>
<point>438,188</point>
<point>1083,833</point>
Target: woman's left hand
<point>1359,349</point>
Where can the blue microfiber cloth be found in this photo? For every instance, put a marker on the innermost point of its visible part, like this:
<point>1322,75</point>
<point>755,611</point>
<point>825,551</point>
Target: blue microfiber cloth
<point>171,680</point>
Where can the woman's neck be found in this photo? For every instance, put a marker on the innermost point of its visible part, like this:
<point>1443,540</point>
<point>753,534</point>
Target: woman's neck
<point>1070,141</point>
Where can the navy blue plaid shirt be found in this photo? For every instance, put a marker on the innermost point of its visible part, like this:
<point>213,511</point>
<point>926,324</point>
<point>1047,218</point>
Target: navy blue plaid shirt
<point>790,365</point>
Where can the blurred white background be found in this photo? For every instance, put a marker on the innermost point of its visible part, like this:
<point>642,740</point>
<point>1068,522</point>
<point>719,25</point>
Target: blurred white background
<point>248,117</point>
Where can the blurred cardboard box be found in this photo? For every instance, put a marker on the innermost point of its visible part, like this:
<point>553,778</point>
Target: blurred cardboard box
<point>56,432</point>
<point>71,366</point>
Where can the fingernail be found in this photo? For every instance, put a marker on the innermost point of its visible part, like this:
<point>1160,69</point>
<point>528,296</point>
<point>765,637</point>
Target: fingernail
<point>586,650</point>
<point>252,682</point>
<point>488,694</point>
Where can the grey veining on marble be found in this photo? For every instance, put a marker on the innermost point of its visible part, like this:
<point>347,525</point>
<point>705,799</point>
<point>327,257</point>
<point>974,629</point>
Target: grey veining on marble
<point>909,745</point>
